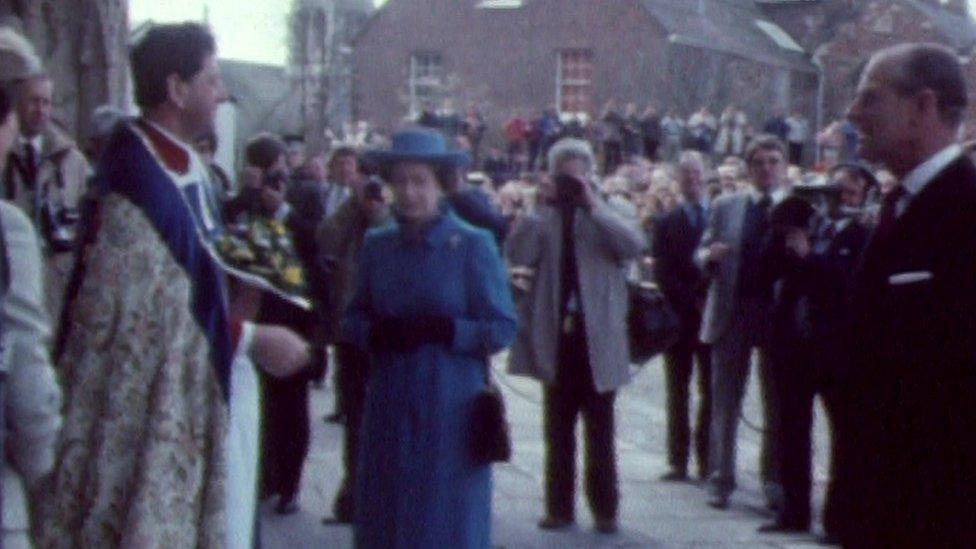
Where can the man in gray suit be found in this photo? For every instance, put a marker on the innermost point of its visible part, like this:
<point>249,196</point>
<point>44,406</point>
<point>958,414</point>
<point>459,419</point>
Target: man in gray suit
<point>736,311</point>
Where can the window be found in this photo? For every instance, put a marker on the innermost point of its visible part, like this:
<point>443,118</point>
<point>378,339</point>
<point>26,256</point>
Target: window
<point>426,80</point>
<point>500,4</point>
<point>574,81</point>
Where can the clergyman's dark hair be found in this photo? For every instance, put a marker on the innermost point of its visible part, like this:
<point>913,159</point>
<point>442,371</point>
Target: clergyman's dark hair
<point>165,50</point>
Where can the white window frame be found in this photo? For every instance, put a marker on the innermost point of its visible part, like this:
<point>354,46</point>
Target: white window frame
<point>561,81</point>
<point>421,75</point>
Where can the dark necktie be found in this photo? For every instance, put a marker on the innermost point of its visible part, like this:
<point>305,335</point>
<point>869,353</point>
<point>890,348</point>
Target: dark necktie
<point>31,165</point>
<point>699,216</point>
<point>889,207</point>
<point>764,203</point>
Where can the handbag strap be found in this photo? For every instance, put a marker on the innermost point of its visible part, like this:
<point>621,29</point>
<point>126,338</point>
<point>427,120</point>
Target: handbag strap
<point>487,370</point>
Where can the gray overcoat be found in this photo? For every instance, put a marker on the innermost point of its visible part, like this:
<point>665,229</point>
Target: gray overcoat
<point>607,239</point>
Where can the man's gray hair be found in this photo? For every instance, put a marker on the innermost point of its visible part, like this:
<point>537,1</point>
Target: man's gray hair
<point>933,67</point>
<point>692,157</point>
<point>569,148</point>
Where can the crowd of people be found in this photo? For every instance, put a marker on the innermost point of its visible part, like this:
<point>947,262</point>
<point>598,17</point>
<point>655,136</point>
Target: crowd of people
<point>622,136</point>
<point>162,321</point>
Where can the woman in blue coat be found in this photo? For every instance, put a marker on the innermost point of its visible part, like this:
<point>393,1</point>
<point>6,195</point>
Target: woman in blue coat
<point>431,306</point>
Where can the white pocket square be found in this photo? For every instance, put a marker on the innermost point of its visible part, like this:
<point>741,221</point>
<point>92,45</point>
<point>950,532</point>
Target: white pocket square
<point>912,277</point>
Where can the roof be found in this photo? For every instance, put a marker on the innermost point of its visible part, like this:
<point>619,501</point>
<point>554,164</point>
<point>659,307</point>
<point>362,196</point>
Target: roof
<point>733,27</point>
<point>264,95</point>
<point>958,30</point>
<point>339,6</point>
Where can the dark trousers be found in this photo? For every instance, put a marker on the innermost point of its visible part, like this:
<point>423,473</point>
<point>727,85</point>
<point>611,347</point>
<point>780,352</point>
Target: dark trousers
<point>613,155</point>
<point>352,367</point>
<point>650,148</point>
<point>796,153</point>
<point>285,435</point>
<point>573,394</point>
<point>285,427</point>
<point>679,363</point>
<point>799,378</point>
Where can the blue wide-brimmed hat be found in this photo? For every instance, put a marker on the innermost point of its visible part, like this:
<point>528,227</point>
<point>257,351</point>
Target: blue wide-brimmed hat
<point>419,145</point>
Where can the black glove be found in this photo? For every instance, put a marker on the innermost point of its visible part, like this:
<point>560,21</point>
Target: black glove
<point>387,334</point>
<point>435,329</point>
<point>406,335</point>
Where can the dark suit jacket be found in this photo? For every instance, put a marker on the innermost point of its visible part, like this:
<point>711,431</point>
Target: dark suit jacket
<point>812,301</point>
<point>673,247</point>
<point>474,206</point>
<point>910,426</point>
<point>307,201</point>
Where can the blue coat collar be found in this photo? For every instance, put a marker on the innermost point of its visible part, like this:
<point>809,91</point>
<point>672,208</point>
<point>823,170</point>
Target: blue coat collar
<point>442,231</point>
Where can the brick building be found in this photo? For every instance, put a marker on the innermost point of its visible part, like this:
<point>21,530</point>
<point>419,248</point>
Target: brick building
<point>575,54</point>
<point>841,34</point>
<point>763,55</point>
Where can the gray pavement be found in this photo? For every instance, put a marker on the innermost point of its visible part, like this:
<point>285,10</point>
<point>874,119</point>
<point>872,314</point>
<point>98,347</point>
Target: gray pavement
<point>652,514</point>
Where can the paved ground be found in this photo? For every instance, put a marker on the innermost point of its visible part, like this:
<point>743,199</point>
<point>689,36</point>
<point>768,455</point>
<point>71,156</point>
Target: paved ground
<point>653,514</point>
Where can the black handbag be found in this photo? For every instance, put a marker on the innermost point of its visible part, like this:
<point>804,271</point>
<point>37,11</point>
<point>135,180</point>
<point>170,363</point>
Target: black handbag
<point>490,438</point>
<point>652,324</point>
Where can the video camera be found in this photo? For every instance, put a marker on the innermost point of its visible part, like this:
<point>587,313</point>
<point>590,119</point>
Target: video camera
<point>373,189</point>
<point>58,226</point>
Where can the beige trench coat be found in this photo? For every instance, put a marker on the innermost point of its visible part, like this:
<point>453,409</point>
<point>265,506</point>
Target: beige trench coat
<point>607,239</point>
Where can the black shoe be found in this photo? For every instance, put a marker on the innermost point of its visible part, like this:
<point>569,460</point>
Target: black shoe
<point>675,475</point>
<point>606,526</point>
<point>784,527</point>
<point>286,507</point>
<point>551,522</point>
<point>342,511</point>
<point>335,417</point>
<point>719,501</point>
<point>829,540</point>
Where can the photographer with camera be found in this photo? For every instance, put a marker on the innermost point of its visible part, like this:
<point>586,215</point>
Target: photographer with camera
<point>573,329</point>
<point>339,240</point>
<point>286,429</point>
<point>46,176</point>
<point>810,261</point>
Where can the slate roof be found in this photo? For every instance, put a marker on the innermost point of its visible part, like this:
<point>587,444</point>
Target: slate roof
<point>264,95</point>
<point>959,31</point>
<point>727,26</point>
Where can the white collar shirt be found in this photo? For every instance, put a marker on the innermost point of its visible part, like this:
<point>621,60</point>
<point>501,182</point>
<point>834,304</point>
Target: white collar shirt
<point>37,142</point>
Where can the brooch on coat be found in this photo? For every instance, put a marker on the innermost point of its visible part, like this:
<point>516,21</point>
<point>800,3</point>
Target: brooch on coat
<point>454,241</point>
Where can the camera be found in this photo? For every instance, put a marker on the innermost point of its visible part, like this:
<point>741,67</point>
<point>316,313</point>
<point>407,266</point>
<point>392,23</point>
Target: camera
<point>373,190</point>
<point>58,227</point>
<point>568,189</point>
<point>275,180</point>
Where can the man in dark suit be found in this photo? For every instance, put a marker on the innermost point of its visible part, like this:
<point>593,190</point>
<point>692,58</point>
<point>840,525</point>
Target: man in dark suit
<point>810,262</point>
<point>909,463</point>
<point>676,238</point>
<point>735,320</point>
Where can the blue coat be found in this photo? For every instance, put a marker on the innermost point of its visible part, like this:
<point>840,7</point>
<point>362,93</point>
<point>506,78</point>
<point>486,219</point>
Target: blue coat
<point>418,485</point>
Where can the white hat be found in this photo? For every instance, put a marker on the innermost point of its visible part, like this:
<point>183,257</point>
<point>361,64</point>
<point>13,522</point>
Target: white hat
<point>17,58</point>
